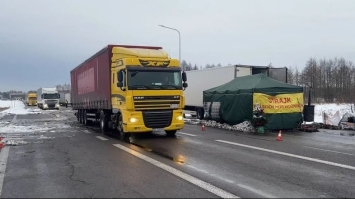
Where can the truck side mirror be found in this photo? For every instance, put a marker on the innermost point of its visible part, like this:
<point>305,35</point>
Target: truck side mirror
<point>120,84</point>
<point>119,76</point>
<point>184,85</point>
<point>184,78</point>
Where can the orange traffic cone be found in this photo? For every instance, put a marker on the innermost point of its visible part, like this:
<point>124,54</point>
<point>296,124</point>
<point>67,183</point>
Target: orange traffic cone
<point>1,143</point>
<point>203,127</point>
<point>279,138</point>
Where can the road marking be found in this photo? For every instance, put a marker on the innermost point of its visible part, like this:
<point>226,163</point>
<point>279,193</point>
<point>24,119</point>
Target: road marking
<point>187,134</point>
<point>256,191</point>
<point>290,155</point>
<point>101,138</point>
<point>329,150</point>
<point>204,185</point>
<point>14,119</point>
<point>86,131</point>
<point>4,154</point>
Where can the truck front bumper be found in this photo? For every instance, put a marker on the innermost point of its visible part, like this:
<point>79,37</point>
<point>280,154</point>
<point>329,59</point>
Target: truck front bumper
<point>139,122</point>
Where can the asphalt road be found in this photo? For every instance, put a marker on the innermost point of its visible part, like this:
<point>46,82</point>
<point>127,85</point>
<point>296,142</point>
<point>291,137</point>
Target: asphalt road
<point>65,159</point>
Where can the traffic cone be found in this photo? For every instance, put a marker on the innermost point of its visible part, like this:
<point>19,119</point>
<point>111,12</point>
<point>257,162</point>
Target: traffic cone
<point>1,143</point>
<point>279,138</point>
<point>203,127</point>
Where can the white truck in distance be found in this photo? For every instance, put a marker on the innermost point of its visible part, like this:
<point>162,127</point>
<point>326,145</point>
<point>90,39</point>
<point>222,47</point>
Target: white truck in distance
<point>48,98</point>
<point>200,80</point>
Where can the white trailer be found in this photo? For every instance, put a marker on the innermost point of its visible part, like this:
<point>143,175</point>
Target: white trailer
<point>68,98</point>
<point>200,80</point>
<point>48,98</point>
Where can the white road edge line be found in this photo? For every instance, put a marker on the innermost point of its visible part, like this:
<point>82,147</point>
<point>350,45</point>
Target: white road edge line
<point>187,134</point>
<point>329,150</point>
<point>4,154</point>
<point>290,155</point>
<point>204,185</point>
<point>101,138</point>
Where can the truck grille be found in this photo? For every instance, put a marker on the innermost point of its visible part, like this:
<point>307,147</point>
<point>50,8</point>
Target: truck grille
<point>157,119</point>
<point>51,103</point>
<point>156,102</point>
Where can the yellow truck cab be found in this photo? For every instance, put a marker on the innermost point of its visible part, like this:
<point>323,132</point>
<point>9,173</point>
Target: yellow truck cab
<point>149,90</point>
<point>32,99</point>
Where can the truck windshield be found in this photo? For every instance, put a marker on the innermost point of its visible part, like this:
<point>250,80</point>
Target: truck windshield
<point>51,96</point>
<point>32,98</point>
<point>154,79</point>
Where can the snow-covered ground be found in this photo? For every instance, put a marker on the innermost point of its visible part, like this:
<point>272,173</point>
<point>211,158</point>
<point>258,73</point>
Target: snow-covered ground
<point>13,131</point>
<point>16,107</point>
<point>330,109</point>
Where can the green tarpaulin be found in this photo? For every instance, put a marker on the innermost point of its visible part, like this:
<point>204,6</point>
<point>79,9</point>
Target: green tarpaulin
<point>232,103</point>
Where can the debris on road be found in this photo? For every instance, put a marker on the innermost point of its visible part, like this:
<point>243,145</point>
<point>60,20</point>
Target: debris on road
<point>243,127</point>
<point>13,142</point>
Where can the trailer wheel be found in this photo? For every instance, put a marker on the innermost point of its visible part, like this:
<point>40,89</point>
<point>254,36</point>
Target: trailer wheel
<point>103,122</point>
<point>77,115</point>
<point>85,118</point>
<point>170,133</point>
<point>123,136</point>
<point>80,116</point>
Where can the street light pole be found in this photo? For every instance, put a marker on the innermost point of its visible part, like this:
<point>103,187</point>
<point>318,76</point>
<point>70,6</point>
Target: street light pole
<point>179,40</point>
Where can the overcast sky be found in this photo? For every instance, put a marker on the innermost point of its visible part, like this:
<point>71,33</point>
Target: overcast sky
<point>41,41</point>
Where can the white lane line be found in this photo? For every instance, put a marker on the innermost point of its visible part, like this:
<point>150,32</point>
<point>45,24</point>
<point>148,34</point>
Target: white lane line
<point>86,131</point>
<point>204,185</point>
<point>186,134</point>
<point>329,150</point>
<point>256,191</point>
<point>4,154</point>
<point>290,155</point>
<point>101,138</point>
<point>14,119</point>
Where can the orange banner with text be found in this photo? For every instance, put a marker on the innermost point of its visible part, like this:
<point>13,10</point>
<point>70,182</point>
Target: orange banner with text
<point>282,103</point>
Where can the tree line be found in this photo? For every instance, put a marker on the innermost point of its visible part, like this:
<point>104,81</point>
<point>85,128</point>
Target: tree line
<point>329,80</point>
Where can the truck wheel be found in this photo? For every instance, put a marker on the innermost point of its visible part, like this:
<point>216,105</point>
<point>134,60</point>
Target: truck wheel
<point>170,133</point>
<point>85,118</point>
<point>103,123</point>
<point>80,116</point>
<point>123,136</point>
<point>77,115</point>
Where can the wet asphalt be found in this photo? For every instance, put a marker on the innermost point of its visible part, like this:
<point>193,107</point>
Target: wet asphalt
<point>65,159</point>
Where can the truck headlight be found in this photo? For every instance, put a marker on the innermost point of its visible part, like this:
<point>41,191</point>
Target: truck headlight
<point>179,118</point>
<point>57,105</point>
<point>45,105</point>
<point>132,120</point>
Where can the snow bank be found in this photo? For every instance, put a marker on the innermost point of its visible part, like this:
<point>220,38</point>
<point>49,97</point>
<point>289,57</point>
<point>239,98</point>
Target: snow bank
<point>5,104</point>
<point>16,107</point>
<point>330,109</point>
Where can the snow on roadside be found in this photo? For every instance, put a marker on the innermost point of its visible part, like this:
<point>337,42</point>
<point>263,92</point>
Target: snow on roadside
<point>330,109</point>
<point>5,104</point>
<point>16,107</point>
<point>15,128</point>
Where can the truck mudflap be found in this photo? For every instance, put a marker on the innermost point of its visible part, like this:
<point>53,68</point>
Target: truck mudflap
<point>159,120</point>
